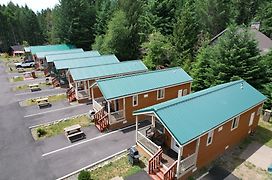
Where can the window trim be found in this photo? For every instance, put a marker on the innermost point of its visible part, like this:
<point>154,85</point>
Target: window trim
<point>158,93</point>
<point>135,97</point>
<point>183,93</point>
<point>210,136</point>
<point>251,121</point>
<point>237,118</point>
<point>259,110</point>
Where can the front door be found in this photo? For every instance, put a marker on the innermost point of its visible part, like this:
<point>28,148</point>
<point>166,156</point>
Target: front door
<point>116,105</point>
<point>174,145</point>
<point>179,93</point>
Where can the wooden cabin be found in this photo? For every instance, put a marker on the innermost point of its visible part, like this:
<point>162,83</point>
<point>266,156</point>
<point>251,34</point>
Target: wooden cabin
<point>42,56</point>
<point>187,133</point>
<point>43,48</point>
<point>16,50</point>
<point>82,79</point>
<point>51,59</point>
<point>120,96</point>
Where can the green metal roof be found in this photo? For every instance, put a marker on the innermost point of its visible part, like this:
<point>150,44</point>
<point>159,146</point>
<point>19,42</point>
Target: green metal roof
<point>67,51</point>
<point>132,84</point>
<point>84,62</point>
<point>56,47</point>
<point>190,116</point>
<point>94,72</point>
<point>57,57</point>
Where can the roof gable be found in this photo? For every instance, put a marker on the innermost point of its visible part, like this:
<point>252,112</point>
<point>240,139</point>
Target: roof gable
<point>106,70</point>
<point>85,62</point>
<point>56,47</point>
<point>57,57</point>
<point>190,116</point>
<point>133,84</point>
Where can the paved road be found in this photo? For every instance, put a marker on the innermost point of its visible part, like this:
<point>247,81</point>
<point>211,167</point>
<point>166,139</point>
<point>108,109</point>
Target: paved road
<point>19,155</point>
<point>20,96</point>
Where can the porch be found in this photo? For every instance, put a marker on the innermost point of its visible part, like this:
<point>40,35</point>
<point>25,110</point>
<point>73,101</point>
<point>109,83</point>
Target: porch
<point>166,162</point>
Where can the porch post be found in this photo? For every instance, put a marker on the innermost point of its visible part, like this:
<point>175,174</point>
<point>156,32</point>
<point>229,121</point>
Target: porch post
<point>136,128</point>
<point>153,120</point>
<point>180,152</point>
<point>124,107</point>
<point>197,149</point>
<point>109,111</point>
<point>76,90</point>
<point>88,89</point>
<point>92,93</point>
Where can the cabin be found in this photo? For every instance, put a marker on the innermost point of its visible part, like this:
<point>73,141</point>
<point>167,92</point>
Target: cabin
<point>264,42</point>
<point>16,50</point>
<point>42,55</point>
<point>51,59</point>
<point>188,133</point>
<point>61,66</point>
<point>43,48</point>
<point>122,95</point>
<point>82,79</point>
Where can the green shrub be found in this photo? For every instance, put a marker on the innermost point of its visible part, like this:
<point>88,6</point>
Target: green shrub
<point>84,175</point>
<point>41,132</point>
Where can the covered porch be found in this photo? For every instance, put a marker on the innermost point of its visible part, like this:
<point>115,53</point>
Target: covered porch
<point>168,159</point>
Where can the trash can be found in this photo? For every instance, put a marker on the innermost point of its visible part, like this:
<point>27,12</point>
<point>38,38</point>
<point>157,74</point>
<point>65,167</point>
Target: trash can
<point>133,155</point>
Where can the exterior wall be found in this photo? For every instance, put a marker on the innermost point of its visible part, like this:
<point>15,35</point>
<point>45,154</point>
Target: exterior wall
<point>170,93</point>
<point>224,139</point>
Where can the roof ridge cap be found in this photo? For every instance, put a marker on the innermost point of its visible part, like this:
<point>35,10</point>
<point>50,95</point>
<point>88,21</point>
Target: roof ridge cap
<point>146,72</point>
<point>182,101</point>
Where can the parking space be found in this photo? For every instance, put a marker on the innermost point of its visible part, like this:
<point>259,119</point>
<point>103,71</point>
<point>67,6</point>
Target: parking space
<point>45,91</point>
<point>51,144</point>
<point>30,81</point>
<point>48,115</point>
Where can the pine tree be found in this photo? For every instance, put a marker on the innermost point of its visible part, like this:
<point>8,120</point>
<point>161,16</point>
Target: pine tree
<point>264,15</point>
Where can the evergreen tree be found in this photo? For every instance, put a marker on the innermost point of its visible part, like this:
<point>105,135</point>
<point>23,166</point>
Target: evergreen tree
<point>264,15</point>
<point>237,56</point>
<point>158,51</point>
<point>185,35</point>
<point>267,87</point>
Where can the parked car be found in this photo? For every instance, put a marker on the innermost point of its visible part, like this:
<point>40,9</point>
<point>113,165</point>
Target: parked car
<point>25,64</point>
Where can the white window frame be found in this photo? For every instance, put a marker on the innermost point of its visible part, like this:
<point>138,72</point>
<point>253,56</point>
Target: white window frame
<point>158,94</point>
<point>185,92</point>
<point>135,99</point>
<point>259,110</point>
<point>210,138</point>
<point>233,122</point>
<point>251,119</point>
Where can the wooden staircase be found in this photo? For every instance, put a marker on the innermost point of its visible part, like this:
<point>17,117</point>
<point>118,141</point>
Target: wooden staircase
<point>101,120</point>
<point>46,72</point>
<point>55,82</point>
<point>157,172</point>
<point>71,94</point>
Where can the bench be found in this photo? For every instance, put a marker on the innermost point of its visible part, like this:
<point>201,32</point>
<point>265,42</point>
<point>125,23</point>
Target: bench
<point>43,102</point>
<point>74,133</point>
<point>34,87</point>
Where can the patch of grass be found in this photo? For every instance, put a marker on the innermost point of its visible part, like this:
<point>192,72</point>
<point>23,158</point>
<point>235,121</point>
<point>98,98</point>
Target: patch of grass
<point>57,128</point>
<point>120,167</point>
<point>16,79</point>
<point>53,98</point>
<point>263,133</point>
<point>24,87</point>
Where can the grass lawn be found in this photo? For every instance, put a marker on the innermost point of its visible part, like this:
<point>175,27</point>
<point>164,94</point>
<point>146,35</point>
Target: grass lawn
<point>55,129</point>
<point>53,98</point>
<point>16,79</point>
<point>264,133</point>
<point>24,87</point>
<point>120,167</point>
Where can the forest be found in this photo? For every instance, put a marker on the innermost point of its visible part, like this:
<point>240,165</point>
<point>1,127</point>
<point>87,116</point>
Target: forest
<point>163,33</point>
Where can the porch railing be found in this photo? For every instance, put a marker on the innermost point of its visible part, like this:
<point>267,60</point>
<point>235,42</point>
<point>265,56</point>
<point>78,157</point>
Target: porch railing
<point>171,172</point>
<point>82,94</point>
<point>147,143</point>
<point>154,162</point>
<point>187,163</point>
<point>96,105</point>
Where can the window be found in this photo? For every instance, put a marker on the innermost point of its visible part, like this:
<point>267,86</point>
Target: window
<point>160,94</point>
<point>185,92</point>
<point>259,111</point>
<point>135,100</point>
<point>210,138</point>
<point>251,119</point>
<point>235,123</point>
